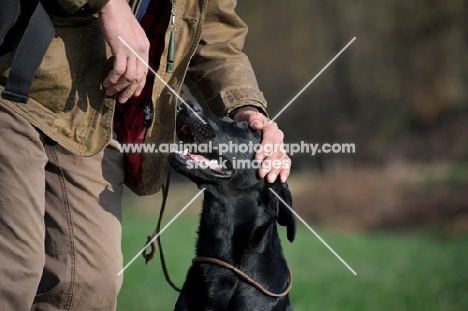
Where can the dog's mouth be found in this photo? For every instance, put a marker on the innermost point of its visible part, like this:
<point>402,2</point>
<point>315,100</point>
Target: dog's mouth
<point>186,135</point>
<point>201,154</point>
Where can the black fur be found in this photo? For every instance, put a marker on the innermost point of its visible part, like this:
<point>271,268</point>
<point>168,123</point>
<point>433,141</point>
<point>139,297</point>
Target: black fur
<point>237,225</point>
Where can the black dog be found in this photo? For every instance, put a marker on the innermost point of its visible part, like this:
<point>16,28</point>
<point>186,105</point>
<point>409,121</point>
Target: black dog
<point>238,222</point>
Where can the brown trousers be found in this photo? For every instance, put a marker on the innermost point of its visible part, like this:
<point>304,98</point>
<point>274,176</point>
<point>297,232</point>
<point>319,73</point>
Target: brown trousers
<point>60,222</point>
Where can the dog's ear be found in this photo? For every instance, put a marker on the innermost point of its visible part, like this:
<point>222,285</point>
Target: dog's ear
<point>285,216</point>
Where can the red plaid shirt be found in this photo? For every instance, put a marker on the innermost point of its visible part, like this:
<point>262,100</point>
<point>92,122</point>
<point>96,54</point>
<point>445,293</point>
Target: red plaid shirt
<point>129,118</point>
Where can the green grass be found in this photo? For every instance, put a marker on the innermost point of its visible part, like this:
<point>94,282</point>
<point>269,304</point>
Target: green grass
<point>394,271</point>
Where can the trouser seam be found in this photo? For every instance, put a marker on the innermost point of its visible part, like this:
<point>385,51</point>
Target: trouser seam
<point>68,213</point>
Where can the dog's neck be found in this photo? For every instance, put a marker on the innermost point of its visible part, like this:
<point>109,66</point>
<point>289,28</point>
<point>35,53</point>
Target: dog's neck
<point>236,228</point>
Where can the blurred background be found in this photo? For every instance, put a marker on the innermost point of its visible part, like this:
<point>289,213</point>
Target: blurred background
<point>399,93</point>
<point>397,209</point>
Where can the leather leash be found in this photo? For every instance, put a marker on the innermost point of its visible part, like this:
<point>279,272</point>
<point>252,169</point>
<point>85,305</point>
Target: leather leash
<point>245,276</point>
<point>153,250</point>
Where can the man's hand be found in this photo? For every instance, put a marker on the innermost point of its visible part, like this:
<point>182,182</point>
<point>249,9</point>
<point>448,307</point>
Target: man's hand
<point>129,74</point>
<point>272,136</point>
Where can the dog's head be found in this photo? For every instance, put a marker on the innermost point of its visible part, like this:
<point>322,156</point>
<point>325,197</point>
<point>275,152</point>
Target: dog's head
<point>213,163</point>
<point>224,161</point>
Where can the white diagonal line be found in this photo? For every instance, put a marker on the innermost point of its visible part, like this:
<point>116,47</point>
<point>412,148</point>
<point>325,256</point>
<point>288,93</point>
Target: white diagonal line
<point>311,81</point>
<point>160,232</point>
<point>159,77</point>
<point>312,230</point>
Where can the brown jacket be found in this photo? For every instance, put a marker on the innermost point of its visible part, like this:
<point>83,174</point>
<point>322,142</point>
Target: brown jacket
<point>68,103</point>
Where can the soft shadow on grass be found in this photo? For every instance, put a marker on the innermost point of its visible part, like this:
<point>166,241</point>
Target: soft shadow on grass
<point>395,271</point>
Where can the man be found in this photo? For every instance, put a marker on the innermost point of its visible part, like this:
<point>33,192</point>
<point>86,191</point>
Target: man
<point>61,173</point>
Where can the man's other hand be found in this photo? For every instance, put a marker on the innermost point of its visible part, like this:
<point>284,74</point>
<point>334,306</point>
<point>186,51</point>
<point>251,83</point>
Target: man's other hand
<point>271,136</point>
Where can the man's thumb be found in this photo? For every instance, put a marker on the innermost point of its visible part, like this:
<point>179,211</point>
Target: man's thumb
<point>256,124</point>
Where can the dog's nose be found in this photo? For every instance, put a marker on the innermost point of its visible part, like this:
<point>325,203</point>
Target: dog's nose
<point>195,106</point>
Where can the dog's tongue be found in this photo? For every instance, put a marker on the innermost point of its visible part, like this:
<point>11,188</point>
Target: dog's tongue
<point>197,157</point>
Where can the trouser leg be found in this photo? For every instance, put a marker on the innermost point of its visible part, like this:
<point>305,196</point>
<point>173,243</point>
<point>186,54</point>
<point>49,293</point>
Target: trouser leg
<point>22,188</point>
<point>60,222</point>
<point>83,230</point>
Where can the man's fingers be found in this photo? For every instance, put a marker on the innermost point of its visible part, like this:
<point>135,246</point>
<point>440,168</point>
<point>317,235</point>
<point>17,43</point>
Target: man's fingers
<point>272,176</point>
<point>142,70</point>
<point>120,65</point>
<point>274,158</point>
<point>273,167</point>
<point>128,82</point>
<point>139,88</point>
<point>272,141</point>
<point>284,174</point>
<point>126,93</point>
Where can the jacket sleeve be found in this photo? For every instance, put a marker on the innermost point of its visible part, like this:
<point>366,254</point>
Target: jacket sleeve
<point>90,6</point>
<point>220,74</point>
